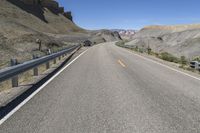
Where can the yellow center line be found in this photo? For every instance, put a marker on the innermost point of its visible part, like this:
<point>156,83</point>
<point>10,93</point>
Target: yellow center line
<point>121,63</point>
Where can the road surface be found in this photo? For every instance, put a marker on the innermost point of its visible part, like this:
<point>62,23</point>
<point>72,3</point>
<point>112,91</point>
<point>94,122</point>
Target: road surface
<point>111,90</point>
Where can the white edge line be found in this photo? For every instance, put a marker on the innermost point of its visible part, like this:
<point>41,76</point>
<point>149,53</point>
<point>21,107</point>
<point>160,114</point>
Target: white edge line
<point>173,69</point>
<point>37,91</point>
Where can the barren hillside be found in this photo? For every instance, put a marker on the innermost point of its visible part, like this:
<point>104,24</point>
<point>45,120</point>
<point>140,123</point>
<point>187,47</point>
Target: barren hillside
<point>180,40</point>
<point>22,22</point>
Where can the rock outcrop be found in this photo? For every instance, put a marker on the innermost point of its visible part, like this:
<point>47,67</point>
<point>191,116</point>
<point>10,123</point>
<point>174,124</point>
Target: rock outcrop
<point>109,35</point>
<point>61,10</point>
<point>101,36</point>
<point>68,15</point>
<point>31,2</point>
<point>52,5</point>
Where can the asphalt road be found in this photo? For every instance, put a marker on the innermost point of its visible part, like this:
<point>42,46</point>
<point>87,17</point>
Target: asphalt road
<point>111,90</point>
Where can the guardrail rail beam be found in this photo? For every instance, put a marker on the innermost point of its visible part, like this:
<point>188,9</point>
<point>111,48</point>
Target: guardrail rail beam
<point>16,69</point>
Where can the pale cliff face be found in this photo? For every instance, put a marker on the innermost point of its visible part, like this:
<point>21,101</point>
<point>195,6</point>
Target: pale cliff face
<point>175,28</point>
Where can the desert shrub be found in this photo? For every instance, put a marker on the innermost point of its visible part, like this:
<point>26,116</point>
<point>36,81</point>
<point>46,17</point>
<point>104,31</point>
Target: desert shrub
<point>183,60</point>
<point>181,66</point>
<point>190,69</point>
<point>120,43</point>
<point>141,50</point>
<point>149,50</point>
<point>136,48</point>
<point>196,59</point>
<point>169,57</point>
<point>156,54</point>
<point>126,41</point>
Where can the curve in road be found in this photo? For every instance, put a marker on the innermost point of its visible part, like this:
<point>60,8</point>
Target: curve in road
<point>109,89</point>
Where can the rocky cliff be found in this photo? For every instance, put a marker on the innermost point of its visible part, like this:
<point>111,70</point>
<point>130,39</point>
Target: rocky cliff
<point>51,5</point>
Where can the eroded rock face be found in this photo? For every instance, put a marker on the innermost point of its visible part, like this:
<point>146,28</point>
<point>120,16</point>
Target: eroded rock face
<point>50,4</point>
<point>68,15</point>
<point>109,35</point>
<point>61,10</point>
<point>31,2</point>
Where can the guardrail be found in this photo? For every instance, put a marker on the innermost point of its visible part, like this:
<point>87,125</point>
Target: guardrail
<point>195,65</point>
<point>127,46</point>
<point>15,70</point>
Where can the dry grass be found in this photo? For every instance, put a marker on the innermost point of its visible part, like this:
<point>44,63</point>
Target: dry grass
<point>26,77</point>
<point>5,85</point>
<point>4,64</point>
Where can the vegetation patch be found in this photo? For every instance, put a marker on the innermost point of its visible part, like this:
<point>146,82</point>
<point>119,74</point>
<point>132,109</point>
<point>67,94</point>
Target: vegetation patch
<point>169,57</point>
<point>121,42</point>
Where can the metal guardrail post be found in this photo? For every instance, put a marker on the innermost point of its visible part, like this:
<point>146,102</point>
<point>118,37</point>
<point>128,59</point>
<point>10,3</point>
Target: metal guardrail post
<point>15,79</point>
<point>35,70</point>
<point>47,65</point>
<point>54,61</point>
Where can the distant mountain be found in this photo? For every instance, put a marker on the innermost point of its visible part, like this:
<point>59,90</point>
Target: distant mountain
<point>126,34</point>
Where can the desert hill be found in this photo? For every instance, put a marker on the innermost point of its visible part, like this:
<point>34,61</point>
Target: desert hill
<point>179,40</point>
<point>22,22</point>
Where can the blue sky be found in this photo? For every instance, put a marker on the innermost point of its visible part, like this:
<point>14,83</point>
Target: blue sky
<point>132,14</point>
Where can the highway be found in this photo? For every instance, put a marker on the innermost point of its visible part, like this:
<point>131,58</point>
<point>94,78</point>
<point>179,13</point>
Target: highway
<point>111,90</point>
